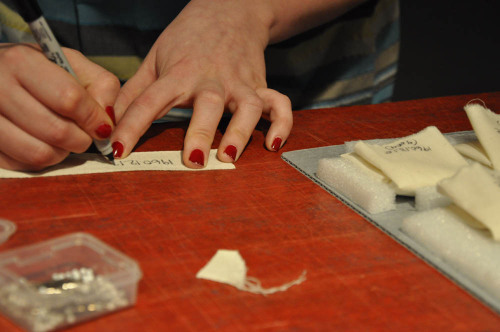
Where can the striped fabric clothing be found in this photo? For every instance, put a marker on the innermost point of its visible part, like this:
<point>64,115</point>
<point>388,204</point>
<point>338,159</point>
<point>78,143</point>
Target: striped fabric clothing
<point>351,60</point>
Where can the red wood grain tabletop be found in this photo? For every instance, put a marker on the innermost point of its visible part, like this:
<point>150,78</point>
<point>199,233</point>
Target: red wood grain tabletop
<point>282,223</point>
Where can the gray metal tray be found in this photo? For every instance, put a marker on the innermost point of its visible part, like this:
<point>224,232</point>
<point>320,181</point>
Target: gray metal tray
<point>306,161</point>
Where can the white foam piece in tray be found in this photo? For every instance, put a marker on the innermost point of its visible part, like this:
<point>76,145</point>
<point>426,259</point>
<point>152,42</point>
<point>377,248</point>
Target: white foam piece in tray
<point>363,189</point>
<point>471,252</point>
<point>428,197</point>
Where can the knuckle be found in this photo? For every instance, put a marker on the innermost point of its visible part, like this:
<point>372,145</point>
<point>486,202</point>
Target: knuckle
<point>241,134</point>
<point>287,102</point>
<point>143,102</point>
<point>252,103</point>
<point>203,134</point>
<point>91,117</point>
<point>59,133</point>
<point>211,96</point>
<point>283,100</point>
<point>70,97</point>
<point>109,81</point>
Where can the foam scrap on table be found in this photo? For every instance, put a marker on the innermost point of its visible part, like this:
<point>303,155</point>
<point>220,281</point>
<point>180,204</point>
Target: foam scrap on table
<point>87,163</point>
<point>228,267</point>
<point>7,228</point>
<point>447,234</point>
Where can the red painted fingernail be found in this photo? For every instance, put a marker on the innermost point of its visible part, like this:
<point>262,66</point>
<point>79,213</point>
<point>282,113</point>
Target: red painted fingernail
<point>231,151</point>
<point>197,157</point>
<point>276,144</point>
<point>111,113</point>
<point>104,130</point>
<point>117,149</point>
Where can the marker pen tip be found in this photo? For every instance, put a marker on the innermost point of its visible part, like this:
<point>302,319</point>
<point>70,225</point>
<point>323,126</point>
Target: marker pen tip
<point>111,158</point>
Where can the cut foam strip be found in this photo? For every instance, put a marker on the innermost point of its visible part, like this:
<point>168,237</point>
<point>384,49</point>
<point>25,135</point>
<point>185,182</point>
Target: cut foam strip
<point>368,192</point>
<point>471,252</point>
<point>365,167</point>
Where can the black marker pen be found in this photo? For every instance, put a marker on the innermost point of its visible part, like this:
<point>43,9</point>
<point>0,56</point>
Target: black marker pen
<point>32,14</point>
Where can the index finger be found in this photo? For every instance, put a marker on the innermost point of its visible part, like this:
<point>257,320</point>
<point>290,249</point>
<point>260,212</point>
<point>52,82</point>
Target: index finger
<point>279,108</point>
<point>149,105</point>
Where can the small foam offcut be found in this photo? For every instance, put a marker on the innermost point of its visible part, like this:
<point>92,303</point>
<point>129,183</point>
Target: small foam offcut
<point>428,197</point>
<point>228,267</point>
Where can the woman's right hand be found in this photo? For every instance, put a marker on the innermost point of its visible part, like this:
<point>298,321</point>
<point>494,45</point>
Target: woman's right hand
<point>45,113</point>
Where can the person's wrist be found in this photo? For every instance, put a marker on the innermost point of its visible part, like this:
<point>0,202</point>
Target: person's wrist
<point>257,16</point>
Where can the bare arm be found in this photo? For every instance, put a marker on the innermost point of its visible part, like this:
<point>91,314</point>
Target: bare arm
<point>291,17</point>
<point>211,58</point>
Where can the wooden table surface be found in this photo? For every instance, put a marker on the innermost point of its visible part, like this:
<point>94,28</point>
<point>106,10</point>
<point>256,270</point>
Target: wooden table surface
<point>172,223</point>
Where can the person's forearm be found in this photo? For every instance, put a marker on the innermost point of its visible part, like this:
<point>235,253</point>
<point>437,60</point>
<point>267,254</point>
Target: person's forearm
<point>274,20</point>
<point>291,17</point>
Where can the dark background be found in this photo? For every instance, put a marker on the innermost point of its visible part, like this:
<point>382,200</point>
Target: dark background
<point>448,48</point>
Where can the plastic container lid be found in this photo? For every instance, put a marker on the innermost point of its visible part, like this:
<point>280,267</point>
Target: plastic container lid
<point>64,281</point>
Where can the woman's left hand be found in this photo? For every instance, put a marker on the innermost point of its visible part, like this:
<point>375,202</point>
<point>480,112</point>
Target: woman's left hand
<point>210,58</point>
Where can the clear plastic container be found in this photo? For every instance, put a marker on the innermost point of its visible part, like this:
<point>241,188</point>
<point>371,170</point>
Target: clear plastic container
<point>64,281</point>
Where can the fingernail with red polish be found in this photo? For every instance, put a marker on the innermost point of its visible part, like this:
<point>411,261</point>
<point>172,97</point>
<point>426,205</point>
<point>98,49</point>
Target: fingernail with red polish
<point>111,113</point>
<point>231,151</point>
<point>276,144</point>
<point>197,157</point>
<point>104,131</point>
<point>117,149</point>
